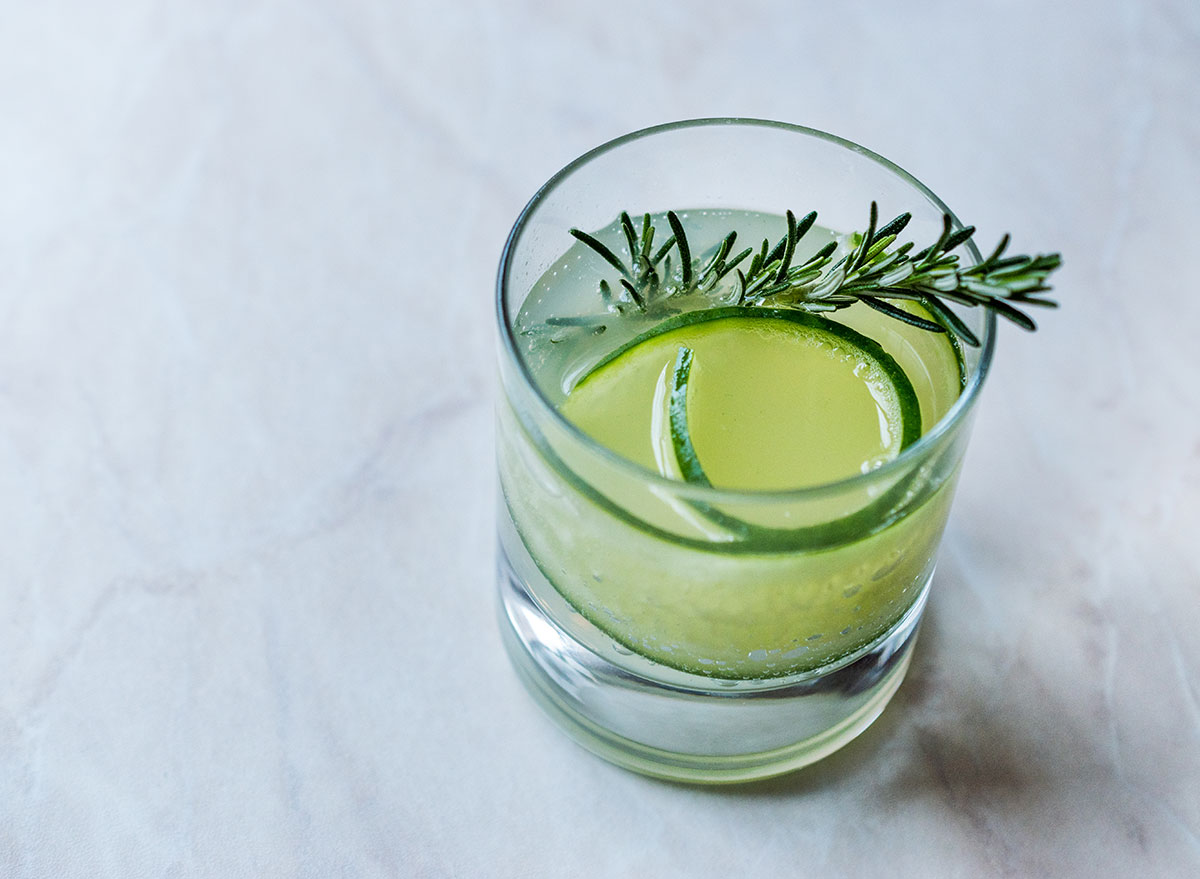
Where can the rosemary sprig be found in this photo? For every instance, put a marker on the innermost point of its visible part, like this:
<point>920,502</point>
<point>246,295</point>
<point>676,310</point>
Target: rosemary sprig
<point>877,271</point>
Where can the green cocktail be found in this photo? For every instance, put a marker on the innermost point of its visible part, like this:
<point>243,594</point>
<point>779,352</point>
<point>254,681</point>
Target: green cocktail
<point>720,508</point>
<point>780,400</point>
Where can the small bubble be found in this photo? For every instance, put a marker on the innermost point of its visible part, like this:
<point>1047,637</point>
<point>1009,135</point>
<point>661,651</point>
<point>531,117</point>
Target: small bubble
<point>622,649</point>
<point>816,637</point>
<point>845,631</point>
<point>851,591</point>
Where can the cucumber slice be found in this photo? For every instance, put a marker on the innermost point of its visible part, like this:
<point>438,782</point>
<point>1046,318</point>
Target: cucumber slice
<point>779,399</point>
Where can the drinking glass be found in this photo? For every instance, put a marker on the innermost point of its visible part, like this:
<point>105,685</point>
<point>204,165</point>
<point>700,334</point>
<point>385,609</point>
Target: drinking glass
<point>673,652</point>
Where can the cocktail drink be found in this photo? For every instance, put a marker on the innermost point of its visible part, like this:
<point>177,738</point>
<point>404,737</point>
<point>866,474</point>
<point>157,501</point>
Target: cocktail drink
<point>724,475</point>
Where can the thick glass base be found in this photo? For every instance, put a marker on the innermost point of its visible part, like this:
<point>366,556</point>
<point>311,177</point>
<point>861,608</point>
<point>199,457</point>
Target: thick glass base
<point>670,724</point>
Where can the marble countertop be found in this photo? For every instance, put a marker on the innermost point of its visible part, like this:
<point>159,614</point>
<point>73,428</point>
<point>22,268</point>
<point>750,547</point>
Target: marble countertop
<point>247,254</point>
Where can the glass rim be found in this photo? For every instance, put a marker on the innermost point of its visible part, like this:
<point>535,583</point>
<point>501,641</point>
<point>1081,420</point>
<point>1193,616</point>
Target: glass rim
<point>906,457</point>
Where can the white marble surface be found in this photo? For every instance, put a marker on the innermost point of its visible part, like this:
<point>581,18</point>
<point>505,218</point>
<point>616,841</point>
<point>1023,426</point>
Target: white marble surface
<point>246,262</point>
